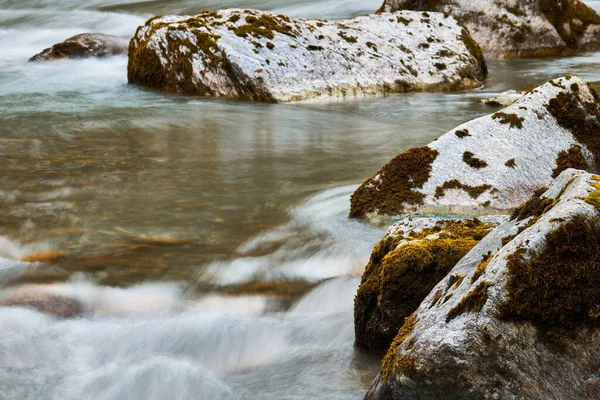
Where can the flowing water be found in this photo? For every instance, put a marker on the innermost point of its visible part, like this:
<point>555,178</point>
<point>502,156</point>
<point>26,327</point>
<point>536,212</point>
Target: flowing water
<point>206,240</point>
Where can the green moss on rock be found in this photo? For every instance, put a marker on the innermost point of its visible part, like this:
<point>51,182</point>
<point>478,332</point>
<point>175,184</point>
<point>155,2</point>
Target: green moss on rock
<point>398,278</point>
<point>594,197</point>
<point>474,162</point>
<point>392,362</point>
<point>264,26</point>
<point>559,285</point>
<point>572,158</point>
<point>474,48</point>
<point>534,207</point>
<point>473,191</point>
<point>481,267</point>
<point>145,68</point>
<point>570,18</point>
<point>581,118</point>
<point>399,179</point>
<point>511,119</point>
<point>473,302</point>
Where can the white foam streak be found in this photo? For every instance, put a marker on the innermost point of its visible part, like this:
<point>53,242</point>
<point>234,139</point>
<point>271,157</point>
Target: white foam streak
<point>333,296</point>
<point>319,242</point>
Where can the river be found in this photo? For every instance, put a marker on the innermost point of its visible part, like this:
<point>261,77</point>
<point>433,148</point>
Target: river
<point>207,239</point>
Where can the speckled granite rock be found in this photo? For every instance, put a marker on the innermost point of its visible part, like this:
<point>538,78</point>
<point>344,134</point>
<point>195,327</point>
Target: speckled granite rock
<point>268,57</point>
<point>414,255</point>
<point>517,317</point>
<point>493,163</point>
<point>82,46</point>
<point>519,28</point>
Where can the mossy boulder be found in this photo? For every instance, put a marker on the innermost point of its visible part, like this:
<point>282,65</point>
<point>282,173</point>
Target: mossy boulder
<point>494,163</point>
<point>519,28</point>
<point>255,55</point>
<point>523,321</point>
<point>83,46</point>
<point>413,256</point>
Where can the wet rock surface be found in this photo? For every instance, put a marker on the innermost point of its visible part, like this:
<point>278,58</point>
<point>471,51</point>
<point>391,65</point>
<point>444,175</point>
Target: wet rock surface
<point>260,56</point>
<point>413,256</point>
<point>521,322</point>
<point>492,164</point>
<point>519,28</point>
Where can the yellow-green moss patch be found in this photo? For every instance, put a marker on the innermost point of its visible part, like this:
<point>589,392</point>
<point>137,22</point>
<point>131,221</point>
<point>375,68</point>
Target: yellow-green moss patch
<point>473,48</point>
<point>264,26</point>
<point>392,362</point>
<point>559,285</point>
<point>471,303</point>
<point>481,267</point>
<point>462,133</point>
<point>399,277</point>
<point>572,158</point>
<point>512,163</point>
<point>594,197</point>
<point>534,207</point>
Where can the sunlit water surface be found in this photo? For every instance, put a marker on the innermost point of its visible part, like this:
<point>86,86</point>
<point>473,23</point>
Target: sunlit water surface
<point>207,240</point>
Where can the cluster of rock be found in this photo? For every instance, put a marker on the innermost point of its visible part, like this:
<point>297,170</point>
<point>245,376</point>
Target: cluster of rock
<point>517,317</point>
<point>490,307</point>
<point>261,56</point>
<point>518,28</point>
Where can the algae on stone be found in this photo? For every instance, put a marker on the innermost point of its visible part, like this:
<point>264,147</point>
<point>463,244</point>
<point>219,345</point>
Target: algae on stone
<point>403,268</point>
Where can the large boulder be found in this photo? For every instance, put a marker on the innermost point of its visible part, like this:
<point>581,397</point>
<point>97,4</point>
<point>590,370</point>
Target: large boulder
<point>83,46</point>
<point>519,28</point>
<point>256,55</point>
<point>522,321</point>
<point>413,256</point>
<point>493,163</point>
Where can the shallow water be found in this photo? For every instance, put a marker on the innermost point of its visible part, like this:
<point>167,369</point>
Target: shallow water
<point>207,240</point>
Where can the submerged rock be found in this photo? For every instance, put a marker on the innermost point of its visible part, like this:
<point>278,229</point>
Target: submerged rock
<point>414,255</point>
<point>504,99</point>
<point>44,302</point>
<point>261,56</point>
<point>82,46</point>
<point>494,163</point>
<point>522,322</point>
<point>519,28</point>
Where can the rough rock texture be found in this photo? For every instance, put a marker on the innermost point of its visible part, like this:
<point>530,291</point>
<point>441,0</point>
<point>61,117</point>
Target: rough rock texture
<point>414,255</point>
<point>82,46</point>
<point>48,303</point>
<point>519,28</point>
<point>523,322</point>
<point>260,56</point>
<point>494,163</point>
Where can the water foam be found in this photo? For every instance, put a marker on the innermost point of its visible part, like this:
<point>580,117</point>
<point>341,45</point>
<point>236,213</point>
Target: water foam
<point>319,242</point>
